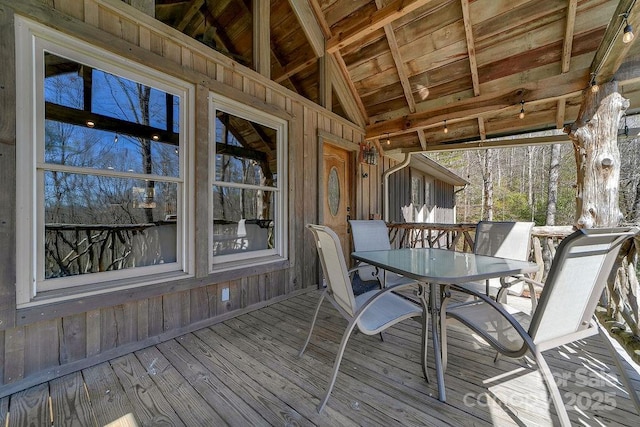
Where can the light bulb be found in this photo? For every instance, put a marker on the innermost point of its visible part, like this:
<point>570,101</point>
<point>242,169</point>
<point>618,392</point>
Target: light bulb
<point>445,130</point>
<point>521,115</point>
<point>628,34</point>
<point>594,87</point>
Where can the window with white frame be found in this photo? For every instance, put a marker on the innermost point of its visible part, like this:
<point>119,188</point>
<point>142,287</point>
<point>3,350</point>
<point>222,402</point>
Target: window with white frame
<point>102,161</point>
<point>248,177</point>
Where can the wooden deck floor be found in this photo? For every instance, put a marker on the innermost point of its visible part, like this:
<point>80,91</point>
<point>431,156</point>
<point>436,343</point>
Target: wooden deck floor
<point>246,371</point>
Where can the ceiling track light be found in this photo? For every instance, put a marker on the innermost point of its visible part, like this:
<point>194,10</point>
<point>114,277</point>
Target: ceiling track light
<point>445,130</point>
<point>627,35</point>
<point>521,115</point>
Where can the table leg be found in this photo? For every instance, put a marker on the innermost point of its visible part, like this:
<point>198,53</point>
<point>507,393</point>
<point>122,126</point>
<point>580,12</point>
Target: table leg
<point>437,356</point>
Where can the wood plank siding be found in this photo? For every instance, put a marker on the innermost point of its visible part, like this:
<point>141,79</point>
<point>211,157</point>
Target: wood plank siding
<point>40,343</point>
<point>246,371</point>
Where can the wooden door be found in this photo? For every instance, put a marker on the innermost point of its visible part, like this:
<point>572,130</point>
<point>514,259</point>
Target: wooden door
<point>337,194</point>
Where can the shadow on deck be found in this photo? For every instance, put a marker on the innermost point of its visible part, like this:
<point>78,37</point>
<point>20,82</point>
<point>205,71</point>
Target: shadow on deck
<point>245,371</point>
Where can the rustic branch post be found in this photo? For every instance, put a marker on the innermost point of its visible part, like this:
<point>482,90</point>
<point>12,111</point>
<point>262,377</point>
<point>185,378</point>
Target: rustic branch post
<point>595,142</point>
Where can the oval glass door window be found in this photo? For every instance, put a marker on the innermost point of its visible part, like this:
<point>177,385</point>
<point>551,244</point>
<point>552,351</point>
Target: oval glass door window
<point>333,190</point>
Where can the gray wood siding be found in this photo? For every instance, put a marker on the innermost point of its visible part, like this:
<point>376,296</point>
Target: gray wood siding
<point>40,343</point>
<point>400,196</point>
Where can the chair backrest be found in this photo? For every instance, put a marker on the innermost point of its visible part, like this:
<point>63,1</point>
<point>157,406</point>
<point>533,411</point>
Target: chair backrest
<point>578,275</point>
<point>334,266</point>
<point>369,235</point>
<point>504,239</point>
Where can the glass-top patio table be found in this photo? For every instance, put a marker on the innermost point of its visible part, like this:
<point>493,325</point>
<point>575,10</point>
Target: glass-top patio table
<point>434,267</point>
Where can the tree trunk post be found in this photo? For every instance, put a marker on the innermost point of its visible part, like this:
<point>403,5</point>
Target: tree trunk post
<point>595,142</point>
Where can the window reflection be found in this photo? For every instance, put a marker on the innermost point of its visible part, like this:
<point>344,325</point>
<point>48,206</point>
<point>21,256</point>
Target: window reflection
<point>109,142</point>
<point>245,186</point>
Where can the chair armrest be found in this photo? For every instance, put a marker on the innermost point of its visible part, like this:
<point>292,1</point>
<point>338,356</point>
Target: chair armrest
<point>528,341</point>
<point>532,292</point>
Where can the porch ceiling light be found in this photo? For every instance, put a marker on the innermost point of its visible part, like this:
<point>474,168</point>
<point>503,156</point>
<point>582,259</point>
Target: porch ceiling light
<point>627,36</point>
<point>594,86</point>
<point>445,130</point>
<point>521,115</point>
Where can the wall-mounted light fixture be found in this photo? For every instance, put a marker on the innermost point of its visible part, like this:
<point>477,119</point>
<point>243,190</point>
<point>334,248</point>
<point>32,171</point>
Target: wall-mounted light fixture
<point>445,130</point>
<point>521,115</point>
<point>368,154</point>
<point>627,35</point>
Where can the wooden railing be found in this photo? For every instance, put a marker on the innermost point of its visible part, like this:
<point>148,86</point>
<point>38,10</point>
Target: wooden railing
<point>621,300</point>
<point>430,235</point>
<point>72,249</point>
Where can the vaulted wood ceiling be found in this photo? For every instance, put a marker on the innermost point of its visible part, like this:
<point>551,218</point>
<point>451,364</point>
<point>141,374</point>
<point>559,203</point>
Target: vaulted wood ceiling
<point>401,68</point>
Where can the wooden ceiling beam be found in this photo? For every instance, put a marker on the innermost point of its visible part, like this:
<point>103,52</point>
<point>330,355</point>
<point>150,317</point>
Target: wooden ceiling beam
<point>561,106</point>
<point>294,68</point>
<point>473,63</point>
<point>469,109</point>
<point>309,23</point>
<point>612,51</point>
<point>482,145</point>
<point>365,25</point>
<point>568,35</point>
<point>192,10</point>
<point>262,37</point>
<point>397,59</point>
<point>423,139</point>
<point>468,32</point>
<point>346,91</point>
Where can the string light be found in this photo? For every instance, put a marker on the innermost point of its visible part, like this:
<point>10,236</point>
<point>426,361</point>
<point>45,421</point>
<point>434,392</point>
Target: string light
<point>628,36</point>
<point>594,86</point>
<point>445,130</point>
<point>521,115</point>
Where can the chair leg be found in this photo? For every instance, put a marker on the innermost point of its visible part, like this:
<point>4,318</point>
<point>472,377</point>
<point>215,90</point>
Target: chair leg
<point>336,365</point>
<point>623,372</point>
<point>313,322</point>
<point>548,378</point>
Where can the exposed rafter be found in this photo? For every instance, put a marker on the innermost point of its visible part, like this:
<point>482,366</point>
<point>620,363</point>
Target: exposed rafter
<point>309,23</point>
<point>397,59</point>
<point>568,35</point>
<point>612,51</point>
<point>346,91</point>
<point>473,63</point>
<point>365,25</point>
<point>192,11</point>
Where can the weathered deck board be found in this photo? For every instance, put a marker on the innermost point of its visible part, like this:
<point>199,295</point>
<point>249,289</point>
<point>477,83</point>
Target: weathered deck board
<point>246,371</point>
<point>70,402</point>
<point>107,397</point>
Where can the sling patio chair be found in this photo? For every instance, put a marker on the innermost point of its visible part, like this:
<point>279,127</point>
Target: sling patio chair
<point>373,235</point>
<point>372,312</point>
<point>565,313</point>
<point>504,239</point>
